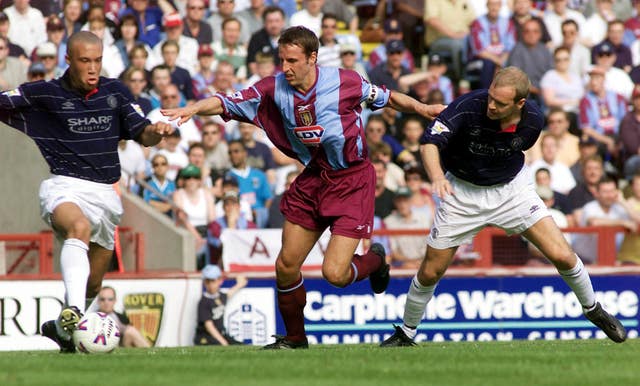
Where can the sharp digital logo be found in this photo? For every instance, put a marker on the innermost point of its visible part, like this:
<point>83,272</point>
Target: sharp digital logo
<point>145,313</point>
<point>87,125</point>
<point>248,325</point>
<point>68,105</point>
<point>309,135</point>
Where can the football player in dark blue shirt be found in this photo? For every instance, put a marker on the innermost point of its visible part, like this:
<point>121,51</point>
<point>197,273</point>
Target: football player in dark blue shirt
<point>473,153</point>
<point>76,121</point>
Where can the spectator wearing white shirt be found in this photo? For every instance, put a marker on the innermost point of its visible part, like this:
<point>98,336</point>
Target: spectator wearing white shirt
<point>605,210</point>
<point>27,25</point>
<point>309,16</point>
<point>556,13</point>
<point>561,178</point>
<point>169,99</point>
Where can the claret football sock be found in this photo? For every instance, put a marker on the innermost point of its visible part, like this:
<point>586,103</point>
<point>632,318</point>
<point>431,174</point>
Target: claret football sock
<point>416,304</point>
<point>291,302</point>
<point>577,278</point>
<point>363,265</point>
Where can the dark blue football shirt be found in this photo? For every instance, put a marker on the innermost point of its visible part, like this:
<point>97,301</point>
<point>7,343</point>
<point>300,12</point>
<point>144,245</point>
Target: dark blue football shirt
<point>474,148</point>
<point>77,134</point>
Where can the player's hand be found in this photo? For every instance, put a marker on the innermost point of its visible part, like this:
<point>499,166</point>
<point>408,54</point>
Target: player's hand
<point>442,187</point>
<point>432,111</point>
<point>163,129</point>
<point>181,113</point>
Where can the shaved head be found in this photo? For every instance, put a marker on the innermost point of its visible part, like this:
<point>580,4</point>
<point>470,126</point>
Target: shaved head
<point>84,37</point>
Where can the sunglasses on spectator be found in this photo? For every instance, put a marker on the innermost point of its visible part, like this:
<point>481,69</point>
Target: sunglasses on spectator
<point>156,164</point>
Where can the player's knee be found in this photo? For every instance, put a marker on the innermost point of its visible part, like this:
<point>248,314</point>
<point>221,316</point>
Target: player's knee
<point>285,268</point>
<point>336,277</point>
<point>429,276</point>
<point>80,229</point>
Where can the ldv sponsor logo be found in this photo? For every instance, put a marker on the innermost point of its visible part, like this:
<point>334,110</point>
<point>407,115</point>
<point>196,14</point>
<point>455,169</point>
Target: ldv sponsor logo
<point>309,135</point>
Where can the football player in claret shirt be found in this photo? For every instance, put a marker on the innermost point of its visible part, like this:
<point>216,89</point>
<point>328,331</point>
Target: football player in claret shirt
<point>312,114</point>
<point>480,139</point>
<point>76,121</point>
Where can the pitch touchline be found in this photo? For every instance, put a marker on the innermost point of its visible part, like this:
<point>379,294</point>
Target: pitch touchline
<point>466,325</point>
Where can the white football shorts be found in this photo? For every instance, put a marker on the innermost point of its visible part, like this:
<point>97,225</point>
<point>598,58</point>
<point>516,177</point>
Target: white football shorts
<point>513,206</point>
<point>99,202</point>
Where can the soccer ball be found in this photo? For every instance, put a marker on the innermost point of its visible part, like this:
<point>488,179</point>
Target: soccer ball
<point>97,333</point>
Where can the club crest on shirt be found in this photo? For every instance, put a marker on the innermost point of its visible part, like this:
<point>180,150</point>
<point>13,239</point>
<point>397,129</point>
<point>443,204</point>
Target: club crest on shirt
<point>439,128</point>
<point>112,101</point>
<point>304,114</point>
<point>309,135</point>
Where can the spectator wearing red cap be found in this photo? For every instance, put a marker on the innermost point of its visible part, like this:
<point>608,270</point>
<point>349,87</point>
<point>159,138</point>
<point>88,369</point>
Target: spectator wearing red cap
<point>392,31</point>
<point>194,25</point>
<point>203,79</point>
<point>229,48</point>
<point>149,18</point>
<point>188,47</point>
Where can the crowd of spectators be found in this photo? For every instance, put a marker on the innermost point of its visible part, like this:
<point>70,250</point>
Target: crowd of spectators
<point>583,58</point>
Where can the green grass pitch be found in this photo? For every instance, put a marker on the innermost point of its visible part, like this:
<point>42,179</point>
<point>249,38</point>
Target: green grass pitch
<point>586,362</point>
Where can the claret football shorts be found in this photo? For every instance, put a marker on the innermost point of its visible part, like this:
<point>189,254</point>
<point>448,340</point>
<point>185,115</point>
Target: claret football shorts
<point>514,207</point>
<point>343,200</point>
<point>99,202</point>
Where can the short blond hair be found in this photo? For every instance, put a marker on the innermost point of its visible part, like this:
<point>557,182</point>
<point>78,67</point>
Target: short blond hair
<point>513,77</point>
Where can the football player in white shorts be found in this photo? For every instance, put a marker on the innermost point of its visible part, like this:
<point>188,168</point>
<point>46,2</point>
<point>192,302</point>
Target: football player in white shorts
<point>479,140</point>
<point>76,121</point>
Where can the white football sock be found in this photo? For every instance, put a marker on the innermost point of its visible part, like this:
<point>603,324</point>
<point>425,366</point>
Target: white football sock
<point>74,263</point>
<point>577,278</point>
<point>417,299</point>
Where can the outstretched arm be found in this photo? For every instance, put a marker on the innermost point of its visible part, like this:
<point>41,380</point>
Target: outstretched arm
<point>152,134</point>
<point>209,106</point>
<point>406,104</point>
